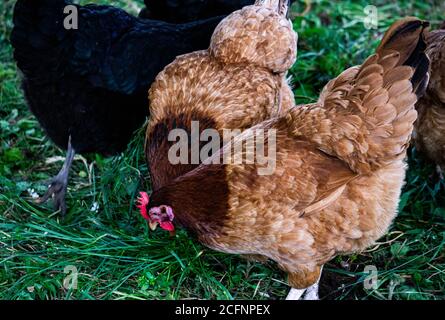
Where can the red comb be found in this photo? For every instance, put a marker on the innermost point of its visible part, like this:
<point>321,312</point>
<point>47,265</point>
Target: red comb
<point>142,202</point>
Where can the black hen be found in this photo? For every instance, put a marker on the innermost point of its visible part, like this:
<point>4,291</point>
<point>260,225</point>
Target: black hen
<point>88,86</point>
<point>179,11</point>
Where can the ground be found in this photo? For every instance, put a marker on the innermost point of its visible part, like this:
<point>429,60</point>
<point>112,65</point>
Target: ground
<point>109,244</point>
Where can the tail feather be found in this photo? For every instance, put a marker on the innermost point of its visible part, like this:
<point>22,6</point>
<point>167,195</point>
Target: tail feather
<point>389,117</point>
<point>369,111</point>
<point>407,38</point>
<point>390,120</point>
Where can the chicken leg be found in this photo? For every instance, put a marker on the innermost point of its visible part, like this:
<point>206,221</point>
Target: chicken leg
<point>58,185</point>
<point>310,293</point>
<point>295,294</point>
<point>440,172</point>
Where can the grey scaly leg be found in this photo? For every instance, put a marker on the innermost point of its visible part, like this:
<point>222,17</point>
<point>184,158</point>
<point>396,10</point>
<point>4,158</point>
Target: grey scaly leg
<point>59,184</point>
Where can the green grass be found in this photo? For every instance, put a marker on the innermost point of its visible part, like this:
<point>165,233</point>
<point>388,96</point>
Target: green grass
<point>118,258</point>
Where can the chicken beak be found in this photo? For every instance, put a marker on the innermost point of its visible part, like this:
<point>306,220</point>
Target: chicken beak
<point>153,225</point>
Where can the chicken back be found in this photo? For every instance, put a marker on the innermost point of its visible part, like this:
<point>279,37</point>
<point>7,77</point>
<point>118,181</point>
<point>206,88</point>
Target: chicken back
<point>238,82</point>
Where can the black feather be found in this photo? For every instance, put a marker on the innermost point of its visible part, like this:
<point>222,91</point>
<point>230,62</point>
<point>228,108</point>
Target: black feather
<point>419,61</point>
<point>179,11</point>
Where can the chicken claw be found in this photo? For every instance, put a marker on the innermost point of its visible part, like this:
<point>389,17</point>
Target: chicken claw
<point>59,184</point>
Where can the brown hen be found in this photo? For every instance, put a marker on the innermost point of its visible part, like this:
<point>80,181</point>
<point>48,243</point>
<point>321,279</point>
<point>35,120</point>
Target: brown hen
<point>339,167</point>
<point>429,131</point>
<point>238,82</point>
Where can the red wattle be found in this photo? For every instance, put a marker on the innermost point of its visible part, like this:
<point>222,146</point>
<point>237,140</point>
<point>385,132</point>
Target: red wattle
<point>167,225</point>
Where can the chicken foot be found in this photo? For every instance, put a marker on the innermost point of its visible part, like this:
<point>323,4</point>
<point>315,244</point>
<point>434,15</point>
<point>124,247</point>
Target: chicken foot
<point>312,292</point>
<point>58,185</point>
